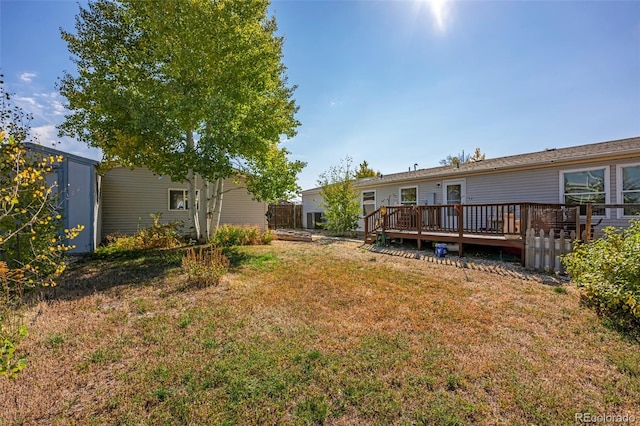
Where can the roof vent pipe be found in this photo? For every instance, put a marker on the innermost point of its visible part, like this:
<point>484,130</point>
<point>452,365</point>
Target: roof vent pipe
<point>415,166</point>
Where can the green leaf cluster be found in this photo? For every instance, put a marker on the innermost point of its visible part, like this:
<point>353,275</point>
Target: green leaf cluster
<point>10,365</point>
<point>608,272</point>
<point>233,235</point>
<point>180,86</point>
<point>32,243</point>
<point>364,171</point>
<point>339,198</point>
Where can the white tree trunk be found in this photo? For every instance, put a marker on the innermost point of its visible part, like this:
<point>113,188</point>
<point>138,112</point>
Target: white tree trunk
<point>191,180</point>
<point>218,192</point>
<point>207,189</point>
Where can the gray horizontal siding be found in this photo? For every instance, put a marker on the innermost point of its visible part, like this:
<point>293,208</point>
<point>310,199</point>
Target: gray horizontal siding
<point>539,185</point>
<point>130,197</point>
<point>238,208</point>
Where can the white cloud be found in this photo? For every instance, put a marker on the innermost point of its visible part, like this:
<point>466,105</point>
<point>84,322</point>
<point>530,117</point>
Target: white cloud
<point>47,135</point>
<point>58,108</point>
<point>27,76</point>
<point>30,105</point>
<point>45,107</point>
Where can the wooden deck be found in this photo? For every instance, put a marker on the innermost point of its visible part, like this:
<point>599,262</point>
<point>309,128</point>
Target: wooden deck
<point>502,225</point>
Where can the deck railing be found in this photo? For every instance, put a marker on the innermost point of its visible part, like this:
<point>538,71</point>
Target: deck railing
<point>499,219</point>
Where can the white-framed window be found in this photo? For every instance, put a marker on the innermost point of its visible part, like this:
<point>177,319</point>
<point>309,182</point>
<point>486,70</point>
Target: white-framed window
<point>179,199</point>
<point>368,202</point>
<point>585,186</point>
<point>408,196</point>
<point>628,188</point>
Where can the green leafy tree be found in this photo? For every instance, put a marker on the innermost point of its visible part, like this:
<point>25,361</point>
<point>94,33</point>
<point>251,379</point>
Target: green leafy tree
<point>31,241</point>
<point>364,171</point>
<point>188,89</point>
<point>463,158</point>
<point>339,198</point>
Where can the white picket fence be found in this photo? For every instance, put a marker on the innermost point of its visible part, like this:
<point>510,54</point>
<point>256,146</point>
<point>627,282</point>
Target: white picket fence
<point>543,251</point>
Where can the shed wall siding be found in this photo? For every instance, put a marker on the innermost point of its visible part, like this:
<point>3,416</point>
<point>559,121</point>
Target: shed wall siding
<point>79,205</point>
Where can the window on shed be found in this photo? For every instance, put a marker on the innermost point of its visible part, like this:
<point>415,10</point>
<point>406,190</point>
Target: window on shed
<point>631,188</point>
<point>368,202</point>
<point>582,187</point>
<point>179,199</point>
<point>409,196</point>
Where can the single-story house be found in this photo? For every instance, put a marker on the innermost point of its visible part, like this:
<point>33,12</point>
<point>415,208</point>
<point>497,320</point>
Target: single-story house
<point>122,200</point>
<point>131,196</point>
<point>602,173</point>
<point>78,187</point>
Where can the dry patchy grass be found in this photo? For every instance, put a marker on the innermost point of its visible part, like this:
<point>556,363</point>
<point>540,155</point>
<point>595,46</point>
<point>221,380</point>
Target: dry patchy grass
<point>302,333</point>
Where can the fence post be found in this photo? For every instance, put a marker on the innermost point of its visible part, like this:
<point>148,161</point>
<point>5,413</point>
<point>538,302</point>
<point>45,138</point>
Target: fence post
<point>293,213</point>
<point>552,250</point>
<point>540,251</point>
<point>528,248</point>
<point>587,237</point>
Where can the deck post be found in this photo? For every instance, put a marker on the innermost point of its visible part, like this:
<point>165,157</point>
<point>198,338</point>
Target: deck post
<point>384,221</point>
<point>458,208</point>
<point>366,228</point>
<point>419,226</point>
<point>525,219</point>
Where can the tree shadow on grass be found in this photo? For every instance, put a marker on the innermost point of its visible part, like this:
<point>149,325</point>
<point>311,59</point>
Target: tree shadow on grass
<point>104,271</point>
<point>237,257</point>
<point>98,272</point>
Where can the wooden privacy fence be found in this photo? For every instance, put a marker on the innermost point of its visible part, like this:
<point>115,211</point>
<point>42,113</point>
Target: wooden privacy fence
<point>543,250</point>
<point>284,216</point>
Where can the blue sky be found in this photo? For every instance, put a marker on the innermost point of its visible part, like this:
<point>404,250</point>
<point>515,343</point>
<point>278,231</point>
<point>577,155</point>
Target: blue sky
<point>402,82</point>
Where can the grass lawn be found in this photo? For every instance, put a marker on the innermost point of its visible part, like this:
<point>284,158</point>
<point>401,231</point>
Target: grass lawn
<point>304,333</point>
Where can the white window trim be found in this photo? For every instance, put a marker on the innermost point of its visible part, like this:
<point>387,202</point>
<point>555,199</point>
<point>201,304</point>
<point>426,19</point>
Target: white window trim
<point>619,167</point>
<point>375,199</point>
<point>607,185</point>
<point>184,196</point>
<point>400,195</point>
<point>463,189</point>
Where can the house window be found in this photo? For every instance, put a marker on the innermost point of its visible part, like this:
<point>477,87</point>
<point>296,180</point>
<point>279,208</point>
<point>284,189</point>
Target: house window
<point>368,202</point>
<point>629,187</point>
<point>409,196</point>
<point>179,199</point>
<point>582,187</point>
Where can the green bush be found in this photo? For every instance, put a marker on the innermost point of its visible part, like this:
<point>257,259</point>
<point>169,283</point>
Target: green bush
<point>11,333</point>
<point>231,235</point>
<point>155,237</point>
<point>608,272</point>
